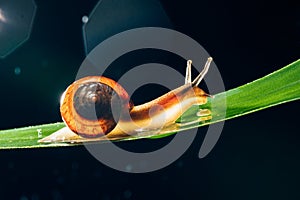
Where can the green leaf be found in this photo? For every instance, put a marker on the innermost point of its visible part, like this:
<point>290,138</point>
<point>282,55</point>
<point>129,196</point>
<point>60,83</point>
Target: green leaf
<point>276,88</point>
<point>27,137</point>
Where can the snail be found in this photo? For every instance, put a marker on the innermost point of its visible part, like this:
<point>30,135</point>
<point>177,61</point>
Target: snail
<point>96,106</point>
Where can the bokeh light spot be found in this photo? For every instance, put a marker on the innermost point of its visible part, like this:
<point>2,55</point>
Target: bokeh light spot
<point>17,71</point>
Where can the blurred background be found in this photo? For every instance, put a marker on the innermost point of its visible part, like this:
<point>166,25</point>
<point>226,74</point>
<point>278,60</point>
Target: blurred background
<point>41,49</point>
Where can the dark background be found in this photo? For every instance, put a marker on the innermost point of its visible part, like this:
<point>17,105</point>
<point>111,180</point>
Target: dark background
<point>257,156</point>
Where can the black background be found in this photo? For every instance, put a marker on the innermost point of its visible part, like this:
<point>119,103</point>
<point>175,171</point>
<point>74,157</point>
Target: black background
<point>257,156</point>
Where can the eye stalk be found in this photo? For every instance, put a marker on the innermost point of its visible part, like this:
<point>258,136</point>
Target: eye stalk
<point>198,79</point>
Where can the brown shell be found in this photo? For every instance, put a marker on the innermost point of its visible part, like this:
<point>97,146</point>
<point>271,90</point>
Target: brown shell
<point>83,126</point>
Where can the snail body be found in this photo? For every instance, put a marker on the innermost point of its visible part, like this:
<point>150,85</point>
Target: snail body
<point>97,106</point>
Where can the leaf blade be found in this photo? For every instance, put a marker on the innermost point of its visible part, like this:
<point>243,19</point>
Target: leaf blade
<point>279,87</point>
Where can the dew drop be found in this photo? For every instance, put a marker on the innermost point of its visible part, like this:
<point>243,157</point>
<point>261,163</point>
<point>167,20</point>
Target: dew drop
<point>203,112</point>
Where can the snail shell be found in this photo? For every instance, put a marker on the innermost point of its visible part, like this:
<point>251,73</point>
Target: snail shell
<point>86,106</point>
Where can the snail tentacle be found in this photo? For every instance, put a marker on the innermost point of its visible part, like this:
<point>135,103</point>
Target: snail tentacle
<point>199,78</point>
<point>188,73</point>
